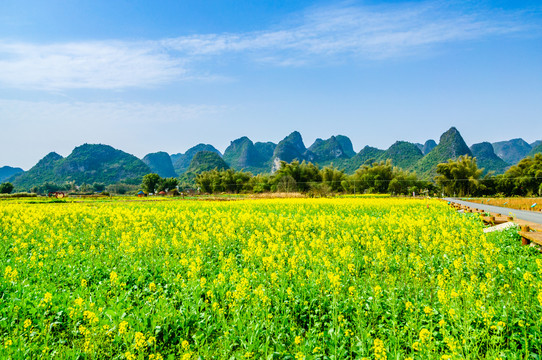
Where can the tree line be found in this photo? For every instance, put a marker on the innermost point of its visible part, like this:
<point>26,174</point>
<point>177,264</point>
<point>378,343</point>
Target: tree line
<point>460,177</point>
<point>378,177</point>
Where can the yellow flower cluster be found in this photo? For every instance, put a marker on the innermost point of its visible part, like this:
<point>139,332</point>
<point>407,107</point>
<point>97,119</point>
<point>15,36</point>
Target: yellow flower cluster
<point>123,327</point>
<point>10,274</point>
<point>263,278</point>
<point>379,350</point>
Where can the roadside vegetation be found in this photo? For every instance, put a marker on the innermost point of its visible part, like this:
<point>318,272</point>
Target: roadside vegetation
<point>519,203</point>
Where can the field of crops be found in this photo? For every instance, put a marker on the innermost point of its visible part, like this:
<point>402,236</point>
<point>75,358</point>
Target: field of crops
<point>533,204</point>
<point>259,279</point>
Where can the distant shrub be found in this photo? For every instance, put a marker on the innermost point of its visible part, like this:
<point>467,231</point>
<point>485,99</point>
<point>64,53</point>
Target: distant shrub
<point>18,195</point>
<point>6,188</point>
<point>174,192</point>
<point>319,190</point>
<point>121,189</point>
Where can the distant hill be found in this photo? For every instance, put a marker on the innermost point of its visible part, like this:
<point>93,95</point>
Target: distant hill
<point>428,146</point>
<point>206,161</point>
<point>87,164</point>
<point>7,171</point>
<point>40,173</point>
<point>181,162</point>
<point>328,150</point>
<point>512,151</point>
<point>202,161</point>
<point>104,164</point>
<point>535,150</point>
<point>346,145</point>
<point>535,144</point>
<point>402,154</point>
<point>291,148</point>
<point>366,155</point>
<point>160,163</point>
<point>266,149</point>
<point>450,146</point>
<point>91,163</point>
<point>487,159</point>
<point>419,146</point>
<point>242,154</point>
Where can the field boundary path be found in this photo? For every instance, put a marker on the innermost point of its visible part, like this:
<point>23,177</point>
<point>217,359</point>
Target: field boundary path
<point>530,222</point>
<point>529,216</point>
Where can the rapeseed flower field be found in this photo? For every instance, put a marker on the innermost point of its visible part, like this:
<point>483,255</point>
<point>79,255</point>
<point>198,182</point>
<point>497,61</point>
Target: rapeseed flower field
<point>345,278</point>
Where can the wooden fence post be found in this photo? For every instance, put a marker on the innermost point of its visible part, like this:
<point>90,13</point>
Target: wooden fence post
<point>524,240</point>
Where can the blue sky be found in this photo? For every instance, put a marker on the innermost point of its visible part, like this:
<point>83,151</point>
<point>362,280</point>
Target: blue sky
<point>148,76</point>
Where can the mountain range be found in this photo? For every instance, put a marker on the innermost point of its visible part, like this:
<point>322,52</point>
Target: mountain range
<point>97,163</point>
<point>87,164</point>
<point>7,171</point>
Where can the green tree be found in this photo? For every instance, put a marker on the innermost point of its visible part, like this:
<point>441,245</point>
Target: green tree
<point>286,183</point>
<point>524,178</point>
<point>6,188</point>
<point>303,175</point>
<point>70,185</point>
<point>374,178</point>
<point>204,180</point>
<point>50,187</point>
<point>405,182</point>
<point>150,183</point>
<point>235,181</point>
<point>168,184</point>
<point>121,188</point>
<point>459,177</point>
<point>333,177</point>
<point>98,187</point>
<point>259,183</point>
<point>228,180</point>
<point>383,177</point>
<point>85,188</point>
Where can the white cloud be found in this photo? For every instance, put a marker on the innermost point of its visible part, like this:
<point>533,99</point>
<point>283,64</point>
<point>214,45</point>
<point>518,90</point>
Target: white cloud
<point>367,32</point>
<point>95,65</point>
<point>345,31</point>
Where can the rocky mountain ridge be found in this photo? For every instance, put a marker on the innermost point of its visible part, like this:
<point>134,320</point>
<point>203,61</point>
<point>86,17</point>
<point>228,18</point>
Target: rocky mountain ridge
<point>101,163</point>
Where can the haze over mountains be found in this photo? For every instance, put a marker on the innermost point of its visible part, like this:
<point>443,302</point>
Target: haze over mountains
<point>104,164</point>
<point>512,151</point>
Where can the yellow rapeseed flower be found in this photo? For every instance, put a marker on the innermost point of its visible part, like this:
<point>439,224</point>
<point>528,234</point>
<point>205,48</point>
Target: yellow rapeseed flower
<point>425,335</point>
<point>123,327</point>
<point>379,349</point>
<point>427,310</point>
<point>114,278</point>
<point>47,298</point>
